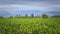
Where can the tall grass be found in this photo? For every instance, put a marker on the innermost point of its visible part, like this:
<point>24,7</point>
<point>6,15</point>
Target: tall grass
<point>29,26</point>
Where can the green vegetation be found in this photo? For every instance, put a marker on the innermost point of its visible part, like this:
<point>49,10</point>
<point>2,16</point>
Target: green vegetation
<point>44,16</point>
<point>56,16</point>
<point>32,15</point>
<point>29,26</point>
<point>1,17</point>
<point>26,15</point>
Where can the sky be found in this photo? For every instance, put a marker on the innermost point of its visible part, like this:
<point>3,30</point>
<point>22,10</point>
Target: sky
<point>13,7</point>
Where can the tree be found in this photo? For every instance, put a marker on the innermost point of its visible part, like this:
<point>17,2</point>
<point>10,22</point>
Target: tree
<point>18,16</point>
<point>26,15</point>
<point>44,16</point>
<point>37,16</point>
<point>32,15</point>
<point>56,16</point>
<point>1,17</point>
<point>11,17</point>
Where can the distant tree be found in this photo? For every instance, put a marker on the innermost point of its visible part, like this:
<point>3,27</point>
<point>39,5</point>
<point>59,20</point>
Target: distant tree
<point>32,15</point>
<point>37,16</point>
<point>44,16</point>
<point>56,16</point>
<point>26,15</point>
<point>1,17</point>
<point>18,16</point>
<point>11,17</point>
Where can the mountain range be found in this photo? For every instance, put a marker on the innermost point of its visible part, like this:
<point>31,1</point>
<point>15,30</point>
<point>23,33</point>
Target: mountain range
<point>29,12</point>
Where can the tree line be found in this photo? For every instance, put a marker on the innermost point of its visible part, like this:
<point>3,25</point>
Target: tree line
<point>26,16</point>
<point>32,16</point>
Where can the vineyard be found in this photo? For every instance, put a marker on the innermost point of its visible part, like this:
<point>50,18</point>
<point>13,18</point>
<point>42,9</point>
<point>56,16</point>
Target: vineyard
<point>29,25</point>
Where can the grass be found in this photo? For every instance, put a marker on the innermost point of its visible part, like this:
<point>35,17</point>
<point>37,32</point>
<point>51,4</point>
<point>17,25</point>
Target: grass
<point>29,26</point>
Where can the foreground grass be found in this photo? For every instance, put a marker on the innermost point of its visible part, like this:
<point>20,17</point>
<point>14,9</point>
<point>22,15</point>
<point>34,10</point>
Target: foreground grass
<point>29,26</point>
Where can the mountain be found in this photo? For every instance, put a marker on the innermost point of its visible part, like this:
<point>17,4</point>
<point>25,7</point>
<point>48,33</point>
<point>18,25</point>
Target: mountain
<point>53,13</point>
<point>28,12</point>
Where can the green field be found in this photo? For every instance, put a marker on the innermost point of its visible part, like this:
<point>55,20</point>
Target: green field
<point>29,25</point>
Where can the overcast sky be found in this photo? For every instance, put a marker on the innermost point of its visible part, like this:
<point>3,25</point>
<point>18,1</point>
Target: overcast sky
<point>11,7</point>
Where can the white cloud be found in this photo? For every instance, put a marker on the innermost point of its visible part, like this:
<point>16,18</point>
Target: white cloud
<point>30,6</point>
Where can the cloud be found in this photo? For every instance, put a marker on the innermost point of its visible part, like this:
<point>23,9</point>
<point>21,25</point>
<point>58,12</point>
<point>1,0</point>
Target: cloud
<point>11,7</point>
<point>30,6</point>
<point>4,13</point>
<point>25,1</point>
